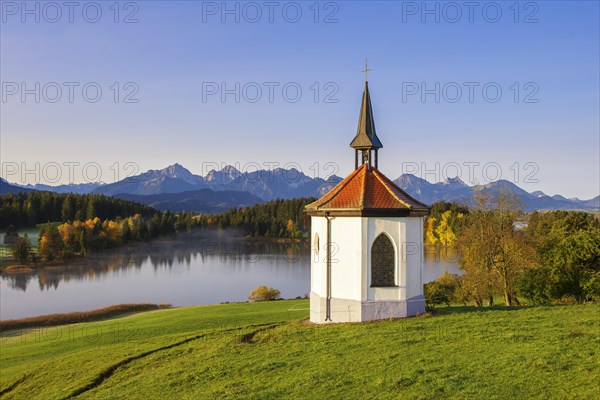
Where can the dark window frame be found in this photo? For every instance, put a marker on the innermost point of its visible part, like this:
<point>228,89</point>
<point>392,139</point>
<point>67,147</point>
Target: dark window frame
<point>383,262</point>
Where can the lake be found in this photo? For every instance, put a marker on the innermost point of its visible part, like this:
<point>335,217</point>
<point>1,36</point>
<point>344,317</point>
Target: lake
<point>186,270</point>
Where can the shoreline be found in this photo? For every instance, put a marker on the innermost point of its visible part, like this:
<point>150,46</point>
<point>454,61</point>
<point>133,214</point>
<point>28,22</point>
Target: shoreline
<point>16,268</point>
<point>99,314</point>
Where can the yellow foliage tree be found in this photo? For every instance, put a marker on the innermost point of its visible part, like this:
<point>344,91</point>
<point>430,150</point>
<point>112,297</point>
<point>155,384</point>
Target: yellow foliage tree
<point>291,226</point>
<point>430,231</point>
<point>67,234</point>
<point>444,230</point>
<point>114,232</point>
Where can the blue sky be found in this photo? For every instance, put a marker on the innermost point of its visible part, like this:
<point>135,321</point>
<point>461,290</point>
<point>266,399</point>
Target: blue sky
<point>542,132</point>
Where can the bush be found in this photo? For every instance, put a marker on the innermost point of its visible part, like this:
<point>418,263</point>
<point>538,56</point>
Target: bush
<point>591,285</point>
<point>535,285</point>
<point>443,290</point>
<point>264,293</point>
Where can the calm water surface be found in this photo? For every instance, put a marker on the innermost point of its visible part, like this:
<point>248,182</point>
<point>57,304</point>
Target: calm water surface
<point>182,271</point>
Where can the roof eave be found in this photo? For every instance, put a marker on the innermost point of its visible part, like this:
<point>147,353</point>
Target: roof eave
<point>367,212</point>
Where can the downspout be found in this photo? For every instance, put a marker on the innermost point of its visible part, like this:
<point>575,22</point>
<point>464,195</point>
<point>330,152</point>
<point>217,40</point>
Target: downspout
<point>328,262</point>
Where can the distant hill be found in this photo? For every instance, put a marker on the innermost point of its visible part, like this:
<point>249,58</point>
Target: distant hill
<point>200,201</point>
<point>456,190</point>
<point>76,188</point>
<point>6,188</point>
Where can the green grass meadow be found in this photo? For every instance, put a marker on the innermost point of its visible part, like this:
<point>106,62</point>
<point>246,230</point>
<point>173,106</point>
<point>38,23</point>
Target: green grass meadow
<point>268,350</point>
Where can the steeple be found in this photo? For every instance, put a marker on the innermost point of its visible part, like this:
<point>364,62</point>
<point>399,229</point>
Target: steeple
<point>366,138</point>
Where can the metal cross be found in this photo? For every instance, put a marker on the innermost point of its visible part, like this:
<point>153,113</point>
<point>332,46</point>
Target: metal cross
<point>366,70</point>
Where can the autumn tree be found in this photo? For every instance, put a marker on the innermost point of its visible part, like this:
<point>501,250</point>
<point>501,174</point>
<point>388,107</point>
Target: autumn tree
<point>430,236</point>
<point>444,223</point>
<point>494,255</point>
<point>444,231</point>
<point>50,243</point>
<point>69,238</point>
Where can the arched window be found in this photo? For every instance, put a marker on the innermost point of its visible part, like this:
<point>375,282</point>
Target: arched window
<point>317,244</point>
<point>382,262</point>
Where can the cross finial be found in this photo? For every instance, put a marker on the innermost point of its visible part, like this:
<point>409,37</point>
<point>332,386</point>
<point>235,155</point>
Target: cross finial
<point>366,70</point>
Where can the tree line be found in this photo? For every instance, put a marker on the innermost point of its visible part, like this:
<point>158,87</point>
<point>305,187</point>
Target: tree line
<point>555,259</point>
<point>29,209</point>
<point>65,240</point>
<point>110,223</point>
<point>275,218</point>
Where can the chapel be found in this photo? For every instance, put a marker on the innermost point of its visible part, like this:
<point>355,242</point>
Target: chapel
<point>367,241</point>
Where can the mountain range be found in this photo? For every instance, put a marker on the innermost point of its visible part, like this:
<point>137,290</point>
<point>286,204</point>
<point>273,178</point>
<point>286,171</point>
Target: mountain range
<point>77,188</point>
<point>175,188</point>
<point>266,184</point>
<point>455,190</point>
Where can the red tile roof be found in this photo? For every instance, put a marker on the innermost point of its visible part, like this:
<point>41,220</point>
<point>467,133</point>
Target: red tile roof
<point>367,191</point>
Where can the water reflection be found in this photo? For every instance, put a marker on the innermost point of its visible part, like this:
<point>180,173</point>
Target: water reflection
<point>186,270</point>
<point>437,260</point>
<point>182,251</point>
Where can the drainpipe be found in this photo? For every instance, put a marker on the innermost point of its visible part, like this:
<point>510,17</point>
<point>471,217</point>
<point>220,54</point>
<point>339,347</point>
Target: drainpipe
<point>328,261</point>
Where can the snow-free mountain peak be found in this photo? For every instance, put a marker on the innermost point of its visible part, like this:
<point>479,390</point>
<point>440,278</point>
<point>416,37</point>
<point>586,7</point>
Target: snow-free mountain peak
<point>456,181</point>
<point>285,183</point>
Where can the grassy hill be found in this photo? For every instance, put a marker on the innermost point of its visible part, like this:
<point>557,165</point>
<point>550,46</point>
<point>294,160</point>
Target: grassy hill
<point>266,350</point>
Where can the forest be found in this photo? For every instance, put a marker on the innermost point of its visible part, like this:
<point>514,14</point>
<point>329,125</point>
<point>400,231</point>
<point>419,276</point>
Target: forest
<point>554,258</point>
<point>26,210</point>
<point>74,225</point>
<point>551,256</point>
<point>273,219</point>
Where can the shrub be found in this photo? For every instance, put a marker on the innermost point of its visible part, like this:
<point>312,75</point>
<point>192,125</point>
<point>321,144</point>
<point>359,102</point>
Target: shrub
<point>535,285</point>
<point>591,285</point>
<point>443,290</point>
<point>264,293</point>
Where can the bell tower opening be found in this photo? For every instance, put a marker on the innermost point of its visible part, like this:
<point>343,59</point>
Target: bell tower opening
<point>366,141</point>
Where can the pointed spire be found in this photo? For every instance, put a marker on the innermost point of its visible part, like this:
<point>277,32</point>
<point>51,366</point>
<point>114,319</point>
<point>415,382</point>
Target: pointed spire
<point>366,137</point>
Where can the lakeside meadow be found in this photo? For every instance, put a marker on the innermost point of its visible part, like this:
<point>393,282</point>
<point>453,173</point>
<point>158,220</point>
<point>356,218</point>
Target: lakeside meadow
<point>237,350</point>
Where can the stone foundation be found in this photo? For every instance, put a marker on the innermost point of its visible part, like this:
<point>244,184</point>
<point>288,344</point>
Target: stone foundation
<point>344,310</point>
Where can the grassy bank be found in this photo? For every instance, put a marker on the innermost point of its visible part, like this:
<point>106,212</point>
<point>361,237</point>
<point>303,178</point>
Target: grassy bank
<point>266,350</point>
<point>76,317</point>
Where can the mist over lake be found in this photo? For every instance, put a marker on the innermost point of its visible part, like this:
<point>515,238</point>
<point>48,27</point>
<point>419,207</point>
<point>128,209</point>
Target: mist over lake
<point>184,270</point>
